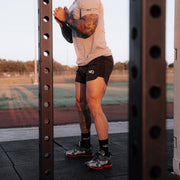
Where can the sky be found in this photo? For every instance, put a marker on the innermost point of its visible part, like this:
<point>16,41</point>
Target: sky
<point>18,31</point>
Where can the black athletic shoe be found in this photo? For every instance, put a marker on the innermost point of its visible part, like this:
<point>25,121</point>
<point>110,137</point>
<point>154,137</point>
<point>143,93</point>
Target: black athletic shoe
<point>79,151</point>
<point>99,161</point>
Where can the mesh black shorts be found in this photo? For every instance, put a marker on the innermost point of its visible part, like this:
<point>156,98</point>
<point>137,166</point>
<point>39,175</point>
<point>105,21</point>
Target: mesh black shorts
<point>99,67</point>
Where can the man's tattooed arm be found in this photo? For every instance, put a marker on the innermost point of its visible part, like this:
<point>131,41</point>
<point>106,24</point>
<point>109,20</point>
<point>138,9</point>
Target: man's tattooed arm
<point>85,26</point>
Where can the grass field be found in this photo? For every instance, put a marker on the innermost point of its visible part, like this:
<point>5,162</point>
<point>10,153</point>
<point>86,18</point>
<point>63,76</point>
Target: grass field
<point>25,95</point>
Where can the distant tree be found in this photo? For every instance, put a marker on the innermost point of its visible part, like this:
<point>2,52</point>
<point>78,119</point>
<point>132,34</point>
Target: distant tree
<point>29,66</point>
<point>20,67</point>
<point>74,68</point>
<point>3,65</point>
<point>121,66</point>
<point>12,66</point>
<point>58,67</point>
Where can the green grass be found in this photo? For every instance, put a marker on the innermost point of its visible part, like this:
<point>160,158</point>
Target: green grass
<point>25,96</point>
<point>170,92</point>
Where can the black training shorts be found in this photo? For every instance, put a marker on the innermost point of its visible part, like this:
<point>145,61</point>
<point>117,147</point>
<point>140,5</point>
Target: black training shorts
<point>99,67</point>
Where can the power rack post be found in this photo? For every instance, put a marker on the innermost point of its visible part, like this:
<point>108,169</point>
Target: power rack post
<point>45,91</point>
<point>147,92</point>
<point>176,158</point>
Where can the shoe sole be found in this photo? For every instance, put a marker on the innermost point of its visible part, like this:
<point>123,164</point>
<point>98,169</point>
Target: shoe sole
<point>105,166</point>
<point>80,155</point>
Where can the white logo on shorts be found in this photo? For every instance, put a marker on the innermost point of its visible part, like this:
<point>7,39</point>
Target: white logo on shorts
<point>91,71</point>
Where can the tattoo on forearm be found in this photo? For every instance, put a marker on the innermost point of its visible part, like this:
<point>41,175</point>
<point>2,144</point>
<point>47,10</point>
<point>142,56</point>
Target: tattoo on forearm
<point>86,25</point>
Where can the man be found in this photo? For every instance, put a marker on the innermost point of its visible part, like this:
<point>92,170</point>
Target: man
<point>83,25</point>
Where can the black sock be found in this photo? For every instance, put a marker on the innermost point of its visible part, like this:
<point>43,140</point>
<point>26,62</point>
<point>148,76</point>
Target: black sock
<point>85,140</point>
<point>104,146</point>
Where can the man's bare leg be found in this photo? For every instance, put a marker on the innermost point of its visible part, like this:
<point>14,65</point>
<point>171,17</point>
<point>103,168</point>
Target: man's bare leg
<point>84,147</point>
<point>95,92</point>
<point>84,114</point>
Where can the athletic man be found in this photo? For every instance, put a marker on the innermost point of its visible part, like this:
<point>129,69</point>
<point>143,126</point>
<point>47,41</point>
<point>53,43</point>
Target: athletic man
<point>83,25</point>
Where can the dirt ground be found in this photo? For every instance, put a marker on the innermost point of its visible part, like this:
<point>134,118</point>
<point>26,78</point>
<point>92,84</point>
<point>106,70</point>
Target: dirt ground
<point>29,117</point>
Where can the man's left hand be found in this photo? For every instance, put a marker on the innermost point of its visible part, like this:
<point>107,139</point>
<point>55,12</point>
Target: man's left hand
<point>60,14</point>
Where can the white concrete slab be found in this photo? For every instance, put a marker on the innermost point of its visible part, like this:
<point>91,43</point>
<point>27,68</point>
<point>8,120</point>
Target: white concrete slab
<point>14,134</point>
